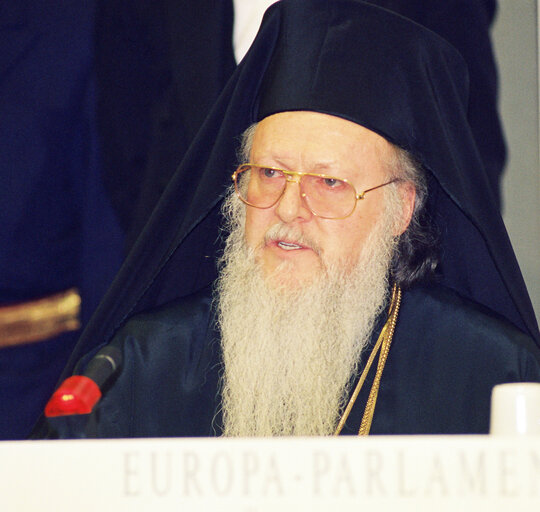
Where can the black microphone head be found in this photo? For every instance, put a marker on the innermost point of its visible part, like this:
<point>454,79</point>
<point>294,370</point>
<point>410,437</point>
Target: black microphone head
<point>104,364</point>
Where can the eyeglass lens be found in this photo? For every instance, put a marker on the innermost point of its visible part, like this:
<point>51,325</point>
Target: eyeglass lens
<point>325,196</point>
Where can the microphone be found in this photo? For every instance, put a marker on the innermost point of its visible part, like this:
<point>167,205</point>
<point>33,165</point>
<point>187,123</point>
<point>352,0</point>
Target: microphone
<point>79,394</point>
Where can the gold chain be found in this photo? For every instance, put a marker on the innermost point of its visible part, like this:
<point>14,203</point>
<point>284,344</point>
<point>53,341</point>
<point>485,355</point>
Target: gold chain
<point>384,340</point>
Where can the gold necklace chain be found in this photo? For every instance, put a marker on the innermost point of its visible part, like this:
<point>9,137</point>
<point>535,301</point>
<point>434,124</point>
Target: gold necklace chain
<point>384,340</point>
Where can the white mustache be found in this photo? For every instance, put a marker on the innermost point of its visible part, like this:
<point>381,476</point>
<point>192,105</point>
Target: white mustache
<point>281,231</point>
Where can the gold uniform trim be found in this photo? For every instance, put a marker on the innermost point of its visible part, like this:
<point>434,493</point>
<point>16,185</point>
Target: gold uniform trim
<point>40,319</point>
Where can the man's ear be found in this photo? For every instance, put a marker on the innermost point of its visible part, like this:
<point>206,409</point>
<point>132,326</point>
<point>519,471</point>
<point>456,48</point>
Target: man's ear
<point>408,196</point>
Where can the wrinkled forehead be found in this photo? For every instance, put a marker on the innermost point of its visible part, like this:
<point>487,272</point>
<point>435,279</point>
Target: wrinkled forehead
<point>310,141</point>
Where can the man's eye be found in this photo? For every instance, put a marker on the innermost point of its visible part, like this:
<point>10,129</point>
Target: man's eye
<point>332,182</point>
<point>269,173</point>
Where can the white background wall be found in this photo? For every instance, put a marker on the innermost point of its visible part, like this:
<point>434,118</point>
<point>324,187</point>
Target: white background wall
<point>517,49</point>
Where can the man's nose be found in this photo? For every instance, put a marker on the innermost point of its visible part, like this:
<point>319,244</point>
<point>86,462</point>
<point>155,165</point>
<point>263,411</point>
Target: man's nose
<point>292,206</point>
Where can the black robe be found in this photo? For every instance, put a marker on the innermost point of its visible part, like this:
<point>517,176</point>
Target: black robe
<point>446,356</point>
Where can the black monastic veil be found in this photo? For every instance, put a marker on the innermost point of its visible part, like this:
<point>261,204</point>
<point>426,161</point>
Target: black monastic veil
<point>361,63</point>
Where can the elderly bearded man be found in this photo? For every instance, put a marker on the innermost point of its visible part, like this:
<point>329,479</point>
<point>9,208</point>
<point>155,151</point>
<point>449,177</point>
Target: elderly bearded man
<point>366,283</point>
<point>312,265</point>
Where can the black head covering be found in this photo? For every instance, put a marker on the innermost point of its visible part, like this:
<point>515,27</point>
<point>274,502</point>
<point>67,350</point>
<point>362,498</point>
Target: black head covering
<point>367,65</point>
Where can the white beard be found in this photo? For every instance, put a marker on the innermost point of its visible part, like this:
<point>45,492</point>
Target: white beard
<point>290,354</point>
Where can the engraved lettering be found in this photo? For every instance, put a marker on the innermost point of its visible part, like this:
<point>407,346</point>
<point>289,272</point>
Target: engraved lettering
<point>403,489</point>
<point>507,477</point>
<point>321,465</point>
<point>132,483</point>
<point>374,464</point>
<point>272,480</point>
<point>436,481</point>
<point>191,474</point>
<point>221,474</point>
<point>250,469</point>
<point>161,470</point>
<point>472,477</point>
<point>344,480</point>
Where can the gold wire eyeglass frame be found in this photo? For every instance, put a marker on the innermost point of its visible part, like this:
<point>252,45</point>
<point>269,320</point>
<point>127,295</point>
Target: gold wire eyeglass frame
<point>296,177</point>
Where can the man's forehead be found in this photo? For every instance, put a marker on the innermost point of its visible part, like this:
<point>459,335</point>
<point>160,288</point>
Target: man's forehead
<point>319,140</point>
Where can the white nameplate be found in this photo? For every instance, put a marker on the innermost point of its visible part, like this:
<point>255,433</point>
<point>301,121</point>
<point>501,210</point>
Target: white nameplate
<point>401,473</point>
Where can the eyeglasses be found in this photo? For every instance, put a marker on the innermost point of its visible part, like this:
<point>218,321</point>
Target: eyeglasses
<point>326,196</point>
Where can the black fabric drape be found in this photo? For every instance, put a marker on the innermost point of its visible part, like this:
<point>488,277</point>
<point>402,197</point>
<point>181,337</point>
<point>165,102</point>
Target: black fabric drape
<point>466,25</point>
<point>362,63</point>
<point>160,67</point>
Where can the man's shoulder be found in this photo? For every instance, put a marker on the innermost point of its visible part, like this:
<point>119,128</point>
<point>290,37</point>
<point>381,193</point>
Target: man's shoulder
<point>440,302</point>
<point>170,349</point>
<point>442,310</point>
<point>172,318</point>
